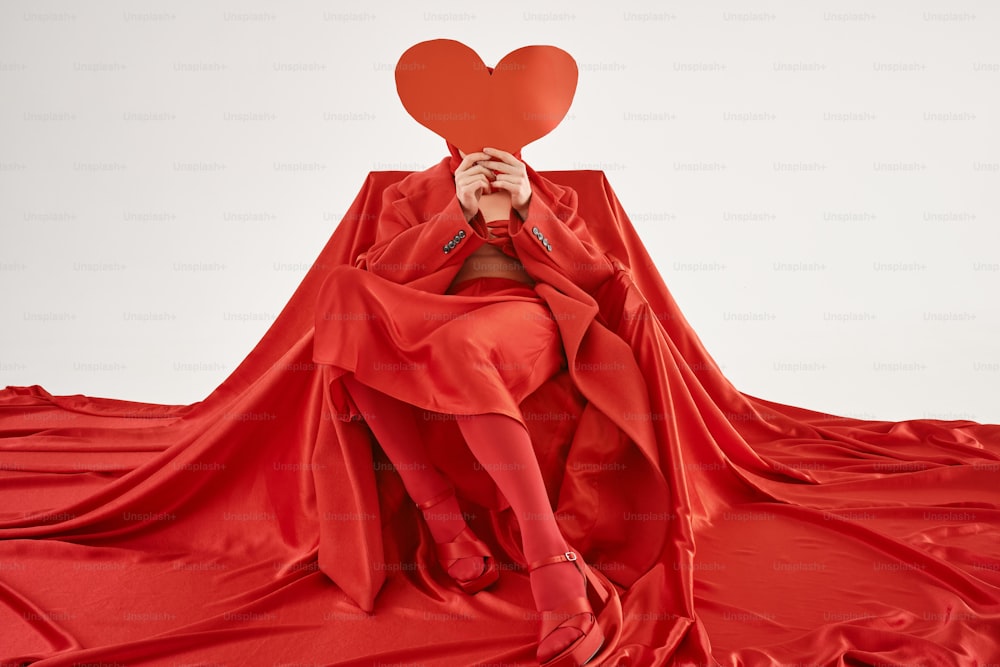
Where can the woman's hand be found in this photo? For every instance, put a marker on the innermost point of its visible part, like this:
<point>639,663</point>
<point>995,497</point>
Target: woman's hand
<point>512,176</point>
<point>471,181</point>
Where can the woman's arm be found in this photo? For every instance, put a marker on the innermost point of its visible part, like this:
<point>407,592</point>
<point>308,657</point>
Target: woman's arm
<point>407,248</point>
<point>566,245</point>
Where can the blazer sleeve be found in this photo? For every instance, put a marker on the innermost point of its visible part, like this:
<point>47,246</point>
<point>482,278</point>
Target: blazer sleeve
<point>567,245</point>
<point>407,248</point>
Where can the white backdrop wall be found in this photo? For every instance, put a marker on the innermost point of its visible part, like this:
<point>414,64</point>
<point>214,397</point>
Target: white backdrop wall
<point>816,182</point>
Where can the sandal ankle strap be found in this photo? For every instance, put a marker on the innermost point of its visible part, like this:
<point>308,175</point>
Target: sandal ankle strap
<point>439,498</point>
<point>565,557</point>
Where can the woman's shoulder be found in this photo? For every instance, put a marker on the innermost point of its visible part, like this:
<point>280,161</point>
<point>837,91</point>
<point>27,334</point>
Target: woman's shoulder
<point>423,193</point>
<point>421,182</point>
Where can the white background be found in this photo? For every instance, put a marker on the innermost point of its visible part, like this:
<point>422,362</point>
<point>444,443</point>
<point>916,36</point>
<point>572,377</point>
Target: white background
<point>816,182</point>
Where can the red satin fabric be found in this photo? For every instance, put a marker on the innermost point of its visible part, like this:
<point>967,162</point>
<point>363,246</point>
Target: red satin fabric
<point>440,352</point>
<point>261,525</point>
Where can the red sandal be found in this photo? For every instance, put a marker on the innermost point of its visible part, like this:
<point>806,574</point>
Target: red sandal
<point>464,545</point>
<point>577,613</point>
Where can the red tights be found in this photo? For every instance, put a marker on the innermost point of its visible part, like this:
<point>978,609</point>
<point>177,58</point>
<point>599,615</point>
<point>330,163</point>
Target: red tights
<point>503,448</point>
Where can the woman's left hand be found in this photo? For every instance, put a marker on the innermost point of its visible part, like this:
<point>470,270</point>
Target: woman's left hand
<point>512,176</point>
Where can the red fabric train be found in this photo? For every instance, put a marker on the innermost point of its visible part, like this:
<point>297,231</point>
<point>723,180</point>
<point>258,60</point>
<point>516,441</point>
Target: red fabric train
<point>263,525</point>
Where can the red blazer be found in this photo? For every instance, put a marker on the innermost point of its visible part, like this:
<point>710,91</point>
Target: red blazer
<point>422,239</point>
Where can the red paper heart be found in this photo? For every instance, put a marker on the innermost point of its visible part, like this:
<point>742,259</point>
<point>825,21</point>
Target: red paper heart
<point>448,89</point>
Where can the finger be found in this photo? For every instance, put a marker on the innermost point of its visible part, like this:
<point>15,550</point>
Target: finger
<point>473,172</point>
<point>466,162</point>
<point>502,167</point>
<point>470,159</point>
<point>477,187</point>
<point>513,179</point>
<point>502,155</point>
<point>486,171</point>
<point>503,185</point>
<point>477,169</point>
<point>464,181</point>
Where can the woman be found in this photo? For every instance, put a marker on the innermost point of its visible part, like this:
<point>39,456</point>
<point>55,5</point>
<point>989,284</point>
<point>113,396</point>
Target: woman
<point>500,345</point>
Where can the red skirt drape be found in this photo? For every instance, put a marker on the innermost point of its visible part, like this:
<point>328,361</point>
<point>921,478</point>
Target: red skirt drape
<point>482,348</point>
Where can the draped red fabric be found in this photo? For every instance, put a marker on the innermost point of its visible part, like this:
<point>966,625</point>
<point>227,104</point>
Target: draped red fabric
<point>263,525</point>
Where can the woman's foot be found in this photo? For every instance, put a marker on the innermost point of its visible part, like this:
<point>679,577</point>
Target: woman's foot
<point>464,557</point>
<point>569,625</point>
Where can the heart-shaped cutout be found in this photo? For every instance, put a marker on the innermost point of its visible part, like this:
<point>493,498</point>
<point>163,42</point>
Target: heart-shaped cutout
<point>448,89</point>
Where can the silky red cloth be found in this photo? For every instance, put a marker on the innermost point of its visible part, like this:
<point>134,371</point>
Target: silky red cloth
<point>483,347</point>
<point>261,526</point>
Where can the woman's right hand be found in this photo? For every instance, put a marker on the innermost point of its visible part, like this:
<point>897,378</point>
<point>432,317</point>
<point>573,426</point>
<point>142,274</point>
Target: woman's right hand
<point>472,180</point>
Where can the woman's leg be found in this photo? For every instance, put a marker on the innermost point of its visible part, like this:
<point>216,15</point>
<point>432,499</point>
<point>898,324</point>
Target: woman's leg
<point>503,447</point>
<point>394,425</point>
